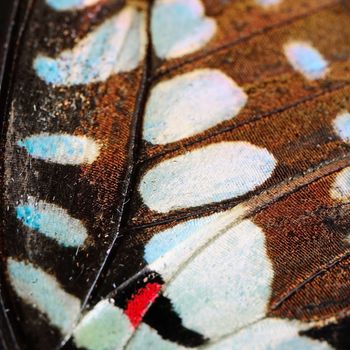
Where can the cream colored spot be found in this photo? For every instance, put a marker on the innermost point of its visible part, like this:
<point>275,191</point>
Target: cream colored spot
<point>190,103</point>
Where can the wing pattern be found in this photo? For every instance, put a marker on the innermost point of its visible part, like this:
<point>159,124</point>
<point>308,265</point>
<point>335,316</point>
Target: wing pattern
<point>176,175</point>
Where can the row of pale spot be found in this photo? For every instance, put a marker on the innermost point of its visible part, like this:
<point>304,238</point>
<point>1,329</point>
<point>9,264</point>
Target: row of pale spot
<point>209,174</point>
<point>178,27</point>
<point>204,98</point>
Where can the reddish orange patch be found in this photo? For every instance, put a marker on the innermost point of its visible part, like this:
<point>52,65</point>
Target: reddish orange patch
<point>139,303</point>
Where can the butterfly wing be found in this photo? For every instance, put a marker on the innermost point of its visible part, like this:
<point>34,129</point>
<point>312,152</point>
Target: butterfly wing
<point>185,162</point>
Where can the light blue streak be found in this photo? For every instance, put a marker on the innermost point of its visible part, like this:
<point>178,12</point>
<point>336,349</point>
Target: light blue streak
<point>42,291</point>
<point>61,148</point>
<point>89,63</point>
<point>63,5</point>
<point>178,22</point>
<point>117,45</point>
<point>53,222</point>
<point>170,238</point>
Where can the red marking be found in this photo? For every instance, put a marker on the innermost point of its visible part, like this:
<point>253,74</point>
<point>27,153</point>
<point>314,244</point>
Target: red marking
<point>139,303</point>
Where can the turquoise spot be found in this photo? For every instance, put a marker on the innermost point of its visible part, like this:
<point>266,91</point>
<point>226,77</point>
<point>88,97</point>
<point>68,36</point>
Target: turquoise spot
<point>48,69</point>
<point>61,148</point>
<point>53,222</point>
<point>42,291</point>
<point>342,126</point>
<point>306,59</point>
<point>170,238</point>
<point>30,217</point>
<point>100,54</point>
<point>179,27</point>
<point>62,5</point>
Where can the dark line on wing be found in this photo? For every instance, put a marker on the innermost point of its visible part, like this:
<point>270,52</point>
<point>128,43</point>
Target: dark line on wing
<point>307,280</point>
<point>133,151</point>
<point>252,120</point>
<point>243,39</point>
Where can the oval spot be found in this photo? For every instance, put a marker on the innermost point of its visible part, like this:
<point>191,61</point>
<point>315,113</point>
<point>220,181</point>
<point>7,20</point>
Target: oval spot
<point>64,5</point>
<point>210,174</point>
<point>190,103</point>
<point>104,327</point>
<point>118,45</point>
<point>180,27</point>
<point>227,285</point>
<point>306,59</point>
<point>53,222</point>
<point>43,292</point>
<point>61,148</point>
<point>341,126</point>
<point>340,189</point>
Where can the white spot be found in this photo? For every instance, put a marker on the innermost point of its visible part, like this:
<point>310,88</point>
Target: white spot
<point>52,221</point>
<point>64,5</point>
<point>179,27</point>
<point>105,327</point>
<point>118,45</point>
<point>190,103</point>
<point>268,3</point>
<point>61,148</point>
<point>306,59</point>
<point>210,174</point>
<point>271,334</point>
<point>342,126</point>
<point>43,292</point>
<point>227,285</point>
<point>147,338</point>
<point>340,189</point>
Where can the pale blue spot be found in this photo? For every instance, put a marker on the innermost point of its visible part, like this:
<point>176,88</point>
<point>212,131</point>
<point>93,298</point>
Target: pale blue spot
<point>118,45</point>
<point>209,174</point>
<point>190,103</point>
<point>272,334</point>
<point>43,292</point>
<point>53,222</point>
<point>168,239</point>
<point>306,59</point>
<point>63,5</point>
<point>61,148</point>
<point>227,285</point>
<point>342,126</point>
<point>105,327</point>
<point>179,27</point>
<point>48,68</point>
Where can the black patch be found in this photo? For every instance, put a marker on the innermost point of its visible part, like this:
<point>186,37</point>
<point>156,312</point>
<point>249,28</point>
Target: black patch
<point>162,317</point>
<point>336,334</point>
